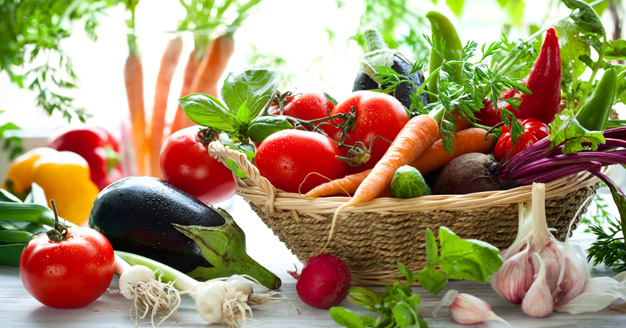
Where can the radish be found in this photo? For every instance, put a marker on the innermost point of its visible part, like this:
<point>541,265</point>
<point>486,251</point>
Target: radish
<point>324,281</point>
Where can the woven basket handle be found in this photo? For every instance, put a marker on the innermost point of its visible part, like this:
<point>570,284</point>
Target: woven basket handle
<point>221,153</point>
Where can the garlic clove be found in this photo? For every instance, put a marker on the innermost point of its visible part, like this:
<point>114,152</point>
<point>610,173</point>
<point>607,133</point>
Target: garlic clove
<point>574,275</point>
<point>551,255</point>
<point>538,302</point>
<point>514,277</point>
<point>467,309</point>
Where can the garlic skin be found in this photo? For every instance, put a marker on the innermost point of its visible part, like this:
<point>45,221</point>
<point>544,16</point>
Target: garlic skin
<point>514,277</point>
<point>538,302</point>
<point>574,276</point>
<point>467,309</point>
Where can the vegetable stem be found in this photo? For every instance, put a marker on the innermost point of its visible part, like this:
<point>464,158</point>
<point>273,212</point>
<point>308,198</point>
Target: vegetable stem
<point>181,280</point>
<point>27,212</point>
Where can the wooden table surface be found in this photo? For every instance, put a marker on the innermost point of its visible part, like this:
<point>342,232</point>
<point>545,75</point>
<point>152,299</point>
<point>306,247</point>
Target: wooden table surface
<point>19,309</point>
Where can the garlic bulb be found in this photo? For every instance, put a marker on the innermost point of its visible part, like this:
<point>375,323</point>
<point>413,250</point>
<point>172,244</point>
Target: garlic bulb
<point>539,272</point>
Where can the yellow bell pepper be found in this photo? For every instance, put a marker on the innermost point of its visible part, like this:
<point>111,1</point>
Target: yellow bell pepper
<point>64,177</point>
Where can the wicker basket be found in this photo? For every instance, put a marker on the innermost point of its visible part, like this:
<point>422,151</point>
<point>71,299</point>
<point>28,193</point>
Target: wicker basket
<point>372,237</point>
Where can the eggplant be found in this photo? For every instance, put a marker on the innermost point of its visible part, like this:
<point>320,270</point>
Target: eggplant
<point>378,54</point>
<point>150,217</point>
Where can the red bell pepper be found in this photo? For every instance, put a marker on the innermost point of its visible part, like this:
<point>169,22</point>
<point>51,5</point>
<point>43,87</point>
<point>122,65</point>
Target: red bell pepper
<point>534,130</point>
<point>544,81</point>
<point>97,146</point>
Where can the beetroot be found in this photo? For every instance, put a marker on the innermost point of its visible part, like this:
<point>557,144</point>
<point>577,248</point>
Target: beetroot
<point>324,281</point>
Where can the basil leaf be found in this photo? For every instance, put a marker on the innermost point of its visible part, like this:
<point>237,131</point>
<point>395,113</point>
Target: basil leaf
<point>432,280</point>
<point>407,273</point>
<point>431,248</point>
<point>585,17</point>
<point>403,314</point>
<point>467,259</point>
<point>243,115</point>
<point>565,130</point>
<point>253,86</point>
<point>208,111</point>
<point>345,317</point>
<point>262,126</point>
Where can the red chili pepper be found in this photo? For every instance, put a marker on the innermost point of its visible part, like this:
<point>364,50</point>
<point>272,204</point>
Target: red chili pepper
<point>97,146</point>
<point>544,81</point>
<point>534,130</point>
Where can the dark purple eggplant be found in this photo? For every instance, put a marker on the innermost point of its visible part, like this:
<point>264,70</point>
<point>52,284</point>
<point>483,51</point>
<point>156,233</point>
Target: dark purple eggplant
<point>378,54</point>
<point>152,218</point>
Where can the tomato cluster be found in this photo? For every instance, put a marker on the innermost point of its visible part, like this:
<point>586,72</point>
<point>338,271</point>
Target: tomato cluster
<point>296,160</point>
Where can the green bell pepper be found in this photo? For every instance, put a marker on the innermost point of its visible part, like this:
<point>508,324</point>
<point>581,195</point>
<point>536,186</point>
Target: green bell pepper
<point>594,114</point>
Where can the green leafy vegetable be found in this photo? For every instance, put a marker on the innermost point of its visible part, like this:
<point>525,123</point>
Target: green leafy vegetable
<point>566,131</point>
<point>479,80</point>
<point>245,93</point>
<point>397,305</point>
<point>253,86</point>
<point>31,52</point>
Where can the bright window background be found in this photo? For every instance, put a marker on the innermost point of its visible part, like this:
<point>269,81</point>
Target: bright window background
<point>295,30</point>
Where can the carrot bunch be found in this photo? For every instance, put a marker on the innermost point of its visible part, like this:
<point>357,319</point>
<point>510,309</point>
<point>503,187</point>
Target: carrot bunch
<point>202,72</point>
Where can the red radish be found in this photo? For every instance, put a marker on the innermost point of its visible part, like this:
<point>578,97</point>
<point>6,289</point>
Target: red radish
<point>324,281</point>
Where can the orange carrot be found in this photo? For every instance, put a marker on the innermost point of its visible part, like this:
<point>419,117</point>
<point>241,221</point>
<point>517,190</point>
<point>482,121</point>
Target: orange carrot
<point>417,135</point>
<point>466,141</point>
<point>193,62</point>
<point>133,79</point>
<point>169,61</point>
<point>206,79</point>
<point>213,66</point>
<point>471,140</point>
<point>347,185</point>
<point>411,142</point>
<point>461,123</point>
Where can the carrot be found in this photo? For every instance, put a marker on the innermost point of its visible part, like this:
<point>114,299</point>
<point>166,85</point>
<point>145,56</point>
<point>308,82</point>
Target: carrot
<point>214,64</point>
<point>193,62</point>
<point>467,141</point>
<point>206,79</point>
<point>411,142</point>
<point>461,123</point>
<point>169,61</point>
<point>133,79</point>
<point>417,135</point>
<point>347,184</point>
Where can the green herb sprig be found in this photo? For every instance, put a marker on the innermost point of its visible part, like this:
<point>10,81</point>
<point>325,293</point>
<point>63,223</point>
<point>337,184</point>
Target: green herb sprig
<point>479,81</point>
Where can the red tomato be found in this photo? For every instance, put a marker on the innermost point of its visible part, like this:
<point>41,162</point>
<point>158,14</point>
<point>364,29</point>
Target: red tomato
<point>186,163</point>
<point>308,105</point>
<point>534,130</point>
<point>70,273</point>
<point>288,157</point>
<point>377,114</point>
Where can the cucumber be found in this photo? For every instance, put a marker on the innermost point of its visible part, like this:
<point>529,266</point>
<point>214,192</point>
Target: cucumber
<point>408,182</point>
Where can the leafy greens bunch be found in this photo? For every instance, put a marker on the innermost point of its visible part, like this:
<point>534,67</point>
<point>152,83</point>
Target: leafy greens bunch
<point>397,306</point>
<point>31,52</point>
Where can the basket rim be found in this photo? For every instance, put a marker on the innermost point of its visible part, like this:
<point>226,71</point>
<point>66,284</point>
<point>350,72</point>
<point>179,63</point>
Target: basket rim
<point>258,190</point>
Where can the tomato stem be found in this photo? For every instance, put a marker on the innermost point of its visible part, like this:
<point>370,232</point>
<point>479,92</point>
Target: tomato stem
<point>59,233</point>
